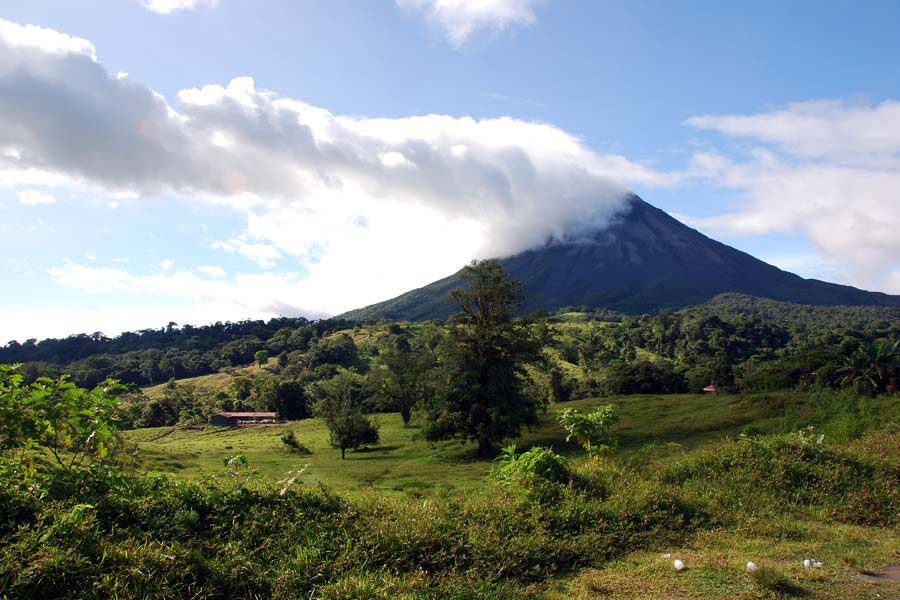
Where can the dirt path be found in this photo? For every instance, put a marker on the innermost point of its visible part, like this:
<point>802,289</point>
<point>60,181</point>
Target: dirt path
<point>891,574</point>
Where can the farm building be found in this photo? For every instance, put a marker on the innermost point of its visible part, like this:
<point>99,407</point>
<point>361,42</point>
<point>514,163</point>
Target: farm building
<point>237,419</point>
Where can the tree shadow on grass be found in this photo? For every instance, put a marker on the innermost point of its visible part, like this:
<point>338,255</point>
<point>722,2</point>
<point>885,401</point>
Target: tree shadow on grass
<point>376,449</point>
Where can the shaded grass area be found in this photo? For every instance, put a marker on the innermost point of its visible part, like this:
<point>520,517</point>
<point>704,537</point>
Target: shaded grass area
<point>716,564</point>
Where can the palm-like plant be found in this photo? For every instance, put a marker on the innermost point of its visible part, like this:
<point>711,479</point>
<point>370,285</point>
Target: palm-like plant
<point>873,367</point>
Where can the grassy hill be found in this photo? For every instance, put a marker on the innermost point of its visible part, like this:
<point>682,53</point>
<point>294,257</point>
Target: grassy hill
<point>214,382</point>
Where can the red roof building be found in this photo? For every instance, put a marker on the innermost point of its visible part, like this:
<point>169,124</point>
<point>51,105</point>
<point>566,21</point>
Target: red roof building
<point>237,419</point>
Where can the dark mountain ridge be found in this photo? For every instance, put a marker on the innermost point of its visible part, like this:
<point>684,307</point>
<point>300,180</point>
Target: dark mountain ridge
<point>644,261</point>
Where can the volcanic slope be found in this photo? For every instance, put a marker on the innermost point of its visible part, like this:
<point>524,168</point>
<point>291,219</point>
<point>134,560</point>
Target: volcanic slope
<point>644,261</point>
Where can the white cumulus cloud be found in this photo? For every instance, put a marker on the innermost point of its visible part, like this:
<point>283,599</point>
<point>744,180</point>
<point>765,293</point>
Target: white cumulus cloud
<point>460,19</point>
<point>165,7</point>
<point>355,193</point>
<point>22,38</point>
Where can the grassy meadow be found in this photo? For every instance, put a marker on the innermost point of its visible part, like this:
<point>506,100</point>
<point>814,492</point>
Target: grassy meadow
<point>682,485</point>
<point>402,462</point>
<point>713,481</point>
<point>650,426</point>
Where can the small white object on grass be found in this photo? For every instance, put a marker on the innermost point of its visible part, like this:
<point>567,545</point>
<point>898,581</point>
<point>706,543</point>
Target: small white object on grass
<point>667,555</point>
<point>751,566</point>
<point>815,564</point>
<point>678,565</point>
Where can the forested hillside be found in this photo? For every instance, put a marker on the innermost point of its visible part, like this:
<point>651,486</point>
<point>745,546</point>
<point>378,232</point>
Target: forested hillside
<point>735,342</point>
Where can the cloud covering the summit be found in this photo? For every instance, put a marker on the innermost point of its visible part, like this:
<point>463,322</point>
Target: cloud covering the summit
<point>387,203</point>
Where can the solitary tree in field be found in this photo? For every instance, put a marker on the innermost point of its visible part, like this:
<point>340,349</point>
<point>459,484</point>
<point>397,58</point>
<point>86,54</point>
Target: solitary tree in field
<point>341,408</point>
<point>261,357</point>
<point>483,396</point>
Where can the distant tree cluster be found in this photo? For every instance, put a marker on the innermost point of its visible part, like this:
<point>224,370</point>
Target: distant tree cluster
<point>154,356</point>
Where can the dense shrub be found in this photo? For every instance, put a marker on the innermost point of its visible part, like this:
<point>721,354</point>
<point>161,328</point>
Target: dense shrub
<point>538,471</point>
<point>795,470</point>
<point>292,444</point>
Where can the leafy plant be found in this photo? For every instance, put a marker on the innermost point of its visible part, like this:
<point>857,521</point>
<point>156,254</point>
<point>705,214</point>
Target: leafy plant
<point>55,416</point>
<point>872,367</point>
<point>536,463</point>
<point>590,429</point>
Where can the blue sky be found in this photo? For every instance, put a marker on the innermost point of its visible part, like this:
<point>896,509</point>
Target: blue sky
<point>196,161</point>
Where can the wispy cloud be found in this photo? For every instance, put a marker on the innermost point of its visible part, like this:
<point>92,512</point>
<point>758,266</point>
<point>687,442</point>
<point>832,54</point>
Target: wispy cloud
<point>34,197</point>
<point>826,169</point>
<point>263,255</point>
<point>513,99</point>
<point>254,293</point>
<point>212,270</point>
<point>824,129</point>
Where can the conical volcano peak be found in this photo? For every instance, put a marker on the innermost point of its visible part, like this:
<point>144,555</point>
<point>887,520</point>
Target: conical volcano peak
<point>644,260</point>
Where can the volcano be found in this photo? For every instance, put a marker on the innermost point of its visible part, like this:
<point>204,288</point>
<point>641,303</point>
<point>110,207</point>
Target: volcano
<point>643,261</point>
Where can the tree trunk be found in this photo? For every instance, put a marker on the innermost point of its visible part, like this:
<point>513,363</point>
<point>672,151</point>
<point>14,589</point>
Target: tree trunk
<point>485,447</point>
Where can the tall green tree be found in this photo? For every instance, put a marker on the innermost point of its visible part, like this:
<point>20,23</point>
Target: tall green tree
<point>341,406</point>
<point>483,396</point>
<point>404,378</point>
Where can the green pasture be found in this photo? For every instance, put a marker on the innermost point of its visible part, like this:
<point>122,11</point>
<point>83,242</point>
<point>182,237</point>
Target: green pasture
<point>650,426</point>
